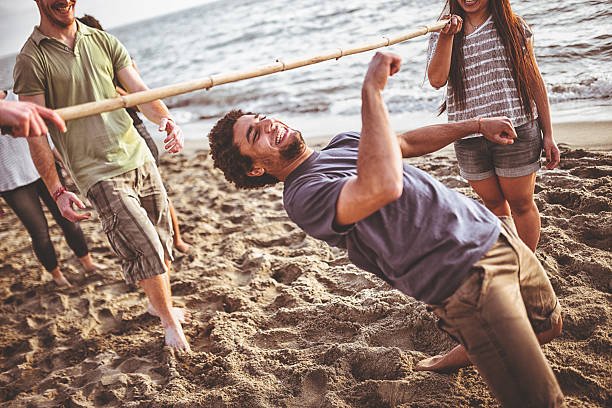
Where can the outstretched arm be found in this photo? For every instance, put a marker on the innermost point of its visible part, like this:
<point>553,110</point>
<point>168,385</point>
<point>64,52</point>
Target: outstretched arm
<point>27,119</point>
<point>429,139</point>
<point>379,165</point>
<point>439,66</point>
<point>155,111</point>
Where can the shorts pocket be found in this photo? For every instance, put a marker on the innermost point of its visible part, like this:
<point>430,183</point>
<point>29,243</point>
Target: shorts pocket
<point>466,300</point>
<point>117,240</point>
<point>529,132</point>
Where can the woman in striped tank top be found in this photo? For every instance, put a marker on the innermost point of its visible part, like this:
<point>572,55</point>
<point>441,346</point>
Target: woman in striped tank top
<point>485,54</point>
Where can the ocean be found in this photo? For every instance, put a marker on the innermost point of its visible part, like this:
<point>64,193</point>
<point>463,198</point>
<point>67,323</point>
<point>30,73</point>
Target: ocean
<point>573,44</point>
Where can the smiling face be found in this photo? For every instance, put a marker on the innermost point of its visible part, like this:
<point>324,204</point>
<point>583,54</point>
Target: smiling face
<point>271,144</point>
<point>474,6</point>
<point>59,13</point>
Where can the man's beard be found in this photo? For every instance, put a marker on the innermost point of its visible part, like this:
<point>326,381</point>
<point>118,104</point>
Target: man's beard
<point>293,149</point>
<point>48,11</point>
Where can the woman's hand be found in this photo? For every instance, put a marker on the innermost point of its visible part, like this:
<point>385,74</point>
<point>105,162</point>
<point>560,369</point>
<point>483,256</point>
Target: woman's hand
<point>553,156</point>
<point>454,25</point>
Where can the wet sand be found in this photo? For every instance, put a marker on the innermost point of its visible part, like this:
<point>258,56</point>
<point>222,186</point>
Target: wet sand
<point>280,319</point>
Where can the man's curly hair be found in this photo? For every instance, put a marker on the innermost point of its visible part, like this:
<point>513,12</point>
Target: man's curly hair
<point>227,156</point>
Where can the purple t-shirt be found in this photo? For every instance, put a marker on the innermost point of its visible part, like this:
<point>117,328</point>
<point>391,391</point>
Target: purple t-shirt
<point>423,244</point>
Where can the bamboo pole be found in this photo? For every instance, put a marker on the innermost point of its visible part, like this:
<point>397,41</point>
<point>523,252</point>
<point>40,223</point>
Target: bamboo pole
<point>137,98</point>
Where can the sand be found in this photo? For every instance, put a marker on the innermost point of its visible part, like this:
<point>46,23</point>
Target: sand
<point>280,319</point>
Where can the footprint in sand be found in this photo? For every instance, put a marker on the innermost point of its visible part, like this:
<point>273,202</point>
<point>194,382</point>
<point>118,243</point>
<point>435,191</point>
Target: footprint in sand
<point>107,320</point>
<point>577,200</point>
<point>591,172</point>
<point>581,322</point>
<point>575,383</point>
<point>287,274</point>
<point>376,364</point>
<point>313,390</point>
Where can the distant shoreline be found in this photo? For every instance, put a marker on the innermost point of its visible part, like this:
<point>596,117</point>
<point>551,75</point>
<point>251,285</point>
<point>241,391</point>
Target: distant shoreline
<point>587,128</point>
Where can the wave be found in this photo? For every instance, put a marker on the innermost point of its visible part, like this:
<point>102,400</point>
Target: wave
<point>573,48</point>
<point>587,88</point>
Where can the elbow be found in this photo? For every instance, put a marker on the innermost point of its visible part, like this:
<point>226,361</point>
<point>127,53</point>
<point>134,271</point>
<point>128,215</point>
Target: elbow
<point>390,191</point>
<point>436,78</point>
<point>396,192</point>
<point>437,82</point>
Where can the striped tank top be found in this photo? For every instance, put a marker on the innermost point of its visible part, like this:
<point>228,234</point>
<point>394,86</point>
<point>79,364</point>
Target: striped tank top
<point>16,166</point>
<point>490,89</point>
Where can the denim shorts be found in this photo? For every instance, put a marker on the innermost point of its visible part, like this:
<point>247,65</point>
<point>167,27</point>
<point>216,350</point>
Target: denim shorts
<point>480,158</point>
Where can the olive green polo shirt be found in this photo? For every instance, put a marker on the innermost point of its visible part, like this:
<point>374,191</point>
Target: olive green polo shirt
<point>97,147</point>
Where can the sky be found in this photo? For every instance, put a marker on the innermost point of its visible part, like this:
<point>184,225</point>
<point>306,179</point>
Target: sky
<point>20,16</point>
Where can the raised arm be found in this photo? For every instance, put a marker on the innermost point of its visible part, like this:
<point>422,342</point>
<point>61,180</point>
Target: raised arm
<point>43,159</point>
<point>439,65</point>
<point>379,165</point>
<point>429,139</point>
<point>155,111</point>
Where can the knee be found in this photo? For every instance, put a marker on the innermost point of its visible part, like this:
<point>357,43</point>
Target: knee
<point>41,240</point>
<point>497,206</point>
<point>552,333</point>
<point>557,328</point>
<point>522,205</point>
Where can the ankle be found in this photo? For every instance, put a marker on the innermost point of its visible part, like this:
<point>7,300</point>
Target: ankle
<point>56,272</point>
<point>86,260</point>
<point>171,324</point>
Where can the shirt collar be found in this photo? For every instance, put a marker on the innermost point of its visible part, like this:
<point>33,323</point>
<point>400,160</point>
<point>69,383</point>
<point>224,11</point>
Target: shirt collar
<point>37,36</point>
<point>82,29</point>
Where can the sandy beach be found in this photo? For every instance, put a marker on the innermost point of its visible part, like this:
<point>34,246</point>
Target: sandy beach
<point>282,320</point>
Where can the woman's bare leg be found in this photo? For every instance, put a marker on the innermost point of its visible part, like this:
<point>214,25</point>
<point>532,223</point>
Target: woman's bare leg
<point>518,191</point>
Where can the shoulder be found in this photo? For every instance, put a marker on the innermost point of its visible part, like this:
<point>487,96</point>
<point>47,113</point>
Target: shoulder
<point>524,27</point>
<point>345,139</point>
<point>104,36</point>
<point>30,57</point>
<point>29,51</point>
<point>310,201</point>
<point>98,35</point>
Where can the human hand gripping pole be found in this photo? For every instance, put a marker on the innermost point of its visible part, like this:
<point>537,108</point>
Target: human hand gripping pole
<point>65,199</point>
<point>175,141</point>
<point>382,66</point>
<point>453,26</point>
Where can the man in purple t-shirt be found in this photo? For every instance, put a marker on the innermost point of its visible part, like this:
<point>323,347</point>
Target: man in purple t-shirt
<point>426,240</point>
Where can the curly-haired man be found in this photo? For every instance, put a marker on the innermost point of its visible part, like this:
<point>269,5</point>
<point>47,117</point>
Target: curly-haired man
<point>426,240</point>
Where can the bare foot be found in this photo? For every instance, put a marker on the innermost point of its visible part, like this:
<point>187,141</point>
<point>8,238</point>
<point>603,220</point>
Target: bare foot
<point>179,313</point>
<point>94,267</point>
<point>182,246</point>
<point>449,362</point>
<point>176,339</point>
<point>59,279</point>
<point>89,265</point>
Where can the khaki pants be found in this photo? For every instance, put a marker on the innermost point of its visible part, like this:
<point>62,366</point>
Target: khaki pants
<point>495,314</point>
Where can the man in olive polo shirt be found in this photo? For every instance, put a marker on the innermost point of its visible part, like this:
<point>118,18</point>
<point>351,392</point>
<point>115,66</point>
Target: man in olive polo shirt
<point>65,63</point>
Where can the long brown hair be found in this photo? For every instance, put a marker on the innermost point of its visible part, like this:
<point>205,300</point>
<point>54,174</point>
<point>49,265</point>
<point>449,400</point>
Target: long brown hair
<point>511,30</point>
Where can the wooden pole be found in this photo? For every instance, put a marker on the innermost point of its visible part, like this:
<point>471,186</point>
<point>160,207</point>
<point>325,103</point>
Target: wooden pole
<point>137,98</point>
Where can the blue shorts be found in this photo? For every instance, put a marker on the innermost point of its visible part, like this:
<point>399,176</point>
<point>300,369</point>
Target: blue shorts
<point>480,158</point>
